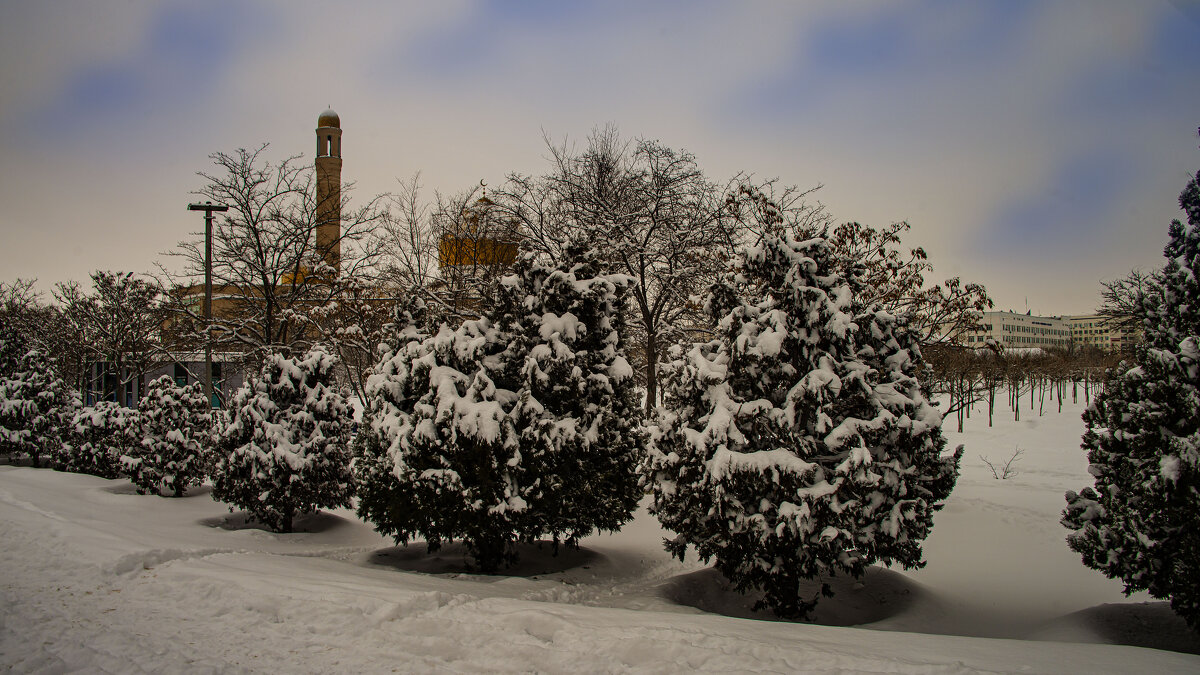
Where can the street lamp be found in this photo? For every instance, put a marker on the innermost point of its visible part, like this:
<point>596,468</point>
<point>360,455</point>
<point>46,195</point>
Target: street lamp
<point>208,208</point>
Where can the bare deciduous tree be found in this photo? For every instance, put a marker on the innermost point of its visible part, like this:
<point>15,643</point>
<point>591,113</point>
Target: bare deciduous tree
<point>650,213</point>
<point>19,306</point>
<point>753,209</point>
<point>943,312</point>
<point>955,373</point>
<point>1006,470</point>
<point>268,272</point>
<point>119,323</point>
<point>1125,301</point>
<point>46,326</point>
<point>353,323</point>
<point>412,240</point>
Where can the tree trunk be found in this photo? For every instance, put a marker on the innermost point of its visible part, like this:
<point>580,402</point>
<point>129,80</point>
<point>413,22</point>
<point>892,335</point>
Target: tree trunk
<point>488,552</point>
<point>651,372</point>
<point>962,402</point>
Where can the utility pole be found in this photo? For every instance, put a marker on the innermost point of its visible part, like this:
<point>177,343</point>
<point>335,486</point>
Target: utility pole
<point>208,208</point>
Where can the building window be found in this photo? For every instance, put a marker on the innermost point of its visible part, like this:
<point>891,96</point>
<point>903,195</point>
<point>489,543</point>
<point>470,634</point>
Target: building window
<point>181,375</point>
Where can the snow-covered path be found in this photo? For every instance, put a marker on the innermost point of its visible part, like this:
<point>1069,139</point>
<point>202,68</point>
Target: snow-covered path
<point>95,578</point>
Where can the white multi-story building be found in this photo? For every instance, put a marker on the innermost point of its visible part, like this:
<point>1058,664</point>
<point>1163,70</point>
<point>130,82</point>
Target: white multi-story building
<point>1095,330</point>
<point>1012,330</point>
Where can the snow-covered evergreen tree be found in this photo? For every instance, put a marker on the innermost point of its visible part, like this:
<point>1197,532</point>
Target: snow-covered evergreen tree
<point>99,436</point>
<point>284,451</point>
<point>35,404</point>
<point>577,413</point>
<point>512,427</point>
<point>391,397</point>
<point>1143,443</point>
<point>16,432</point>
<point>433,417</point>
<point>798,443</point>
<point>13,345</point>
<point>175,426</point>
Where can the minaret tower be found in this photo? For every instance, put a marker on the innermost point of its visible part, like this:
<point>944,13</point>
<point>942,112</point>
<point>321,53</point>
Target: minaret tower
<point>329,188</point>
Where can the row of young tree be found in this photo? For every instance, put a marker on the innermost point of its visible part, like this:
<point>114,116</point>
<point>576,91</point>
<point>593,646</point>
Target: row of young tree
<point>972,380</point>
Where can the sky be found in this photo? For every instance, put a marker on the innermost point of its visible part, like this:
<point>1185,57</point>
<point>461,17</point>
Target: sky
<point>1038,148</point>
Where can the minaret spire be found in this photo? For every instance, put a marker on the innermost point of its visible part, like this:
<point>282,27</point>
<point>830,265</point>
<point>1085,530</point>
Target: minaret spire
<point>329,188</point>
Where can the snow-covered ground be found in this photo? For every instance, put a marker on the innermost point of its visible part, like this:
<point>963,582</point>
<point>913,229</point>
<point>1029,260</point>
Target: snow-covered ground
<point>96,578</point>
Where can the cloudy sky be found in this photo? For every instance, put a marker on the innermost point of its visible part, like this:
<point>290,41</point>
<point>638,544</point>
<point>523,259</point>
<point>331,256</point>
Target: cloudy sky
<point>1035,147</point>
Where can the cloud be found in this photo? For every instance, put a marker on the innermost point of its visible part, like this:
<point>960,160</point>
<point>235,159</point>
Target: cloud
<point>1067,214</point>
<point>985,123</point>
<point>181,57</point>
<point>1029,144</point>
<point>45,44</point>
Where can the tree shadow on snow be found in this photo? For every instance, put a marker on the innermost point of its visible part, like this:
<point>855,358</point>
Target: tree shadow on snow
<point>124,488</point>
<point>315,522</point>
<point>1143,624</point>
<point>533,559</point>
<point>197,491</point>
<point>128,488</point>
<point>878,595</point>
<point>9,462</point>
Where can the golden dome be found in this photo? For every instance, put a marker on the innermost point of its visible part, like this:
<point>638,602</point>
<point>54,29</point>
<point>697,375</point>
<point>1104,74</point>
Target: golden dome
<point>329,119</point>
